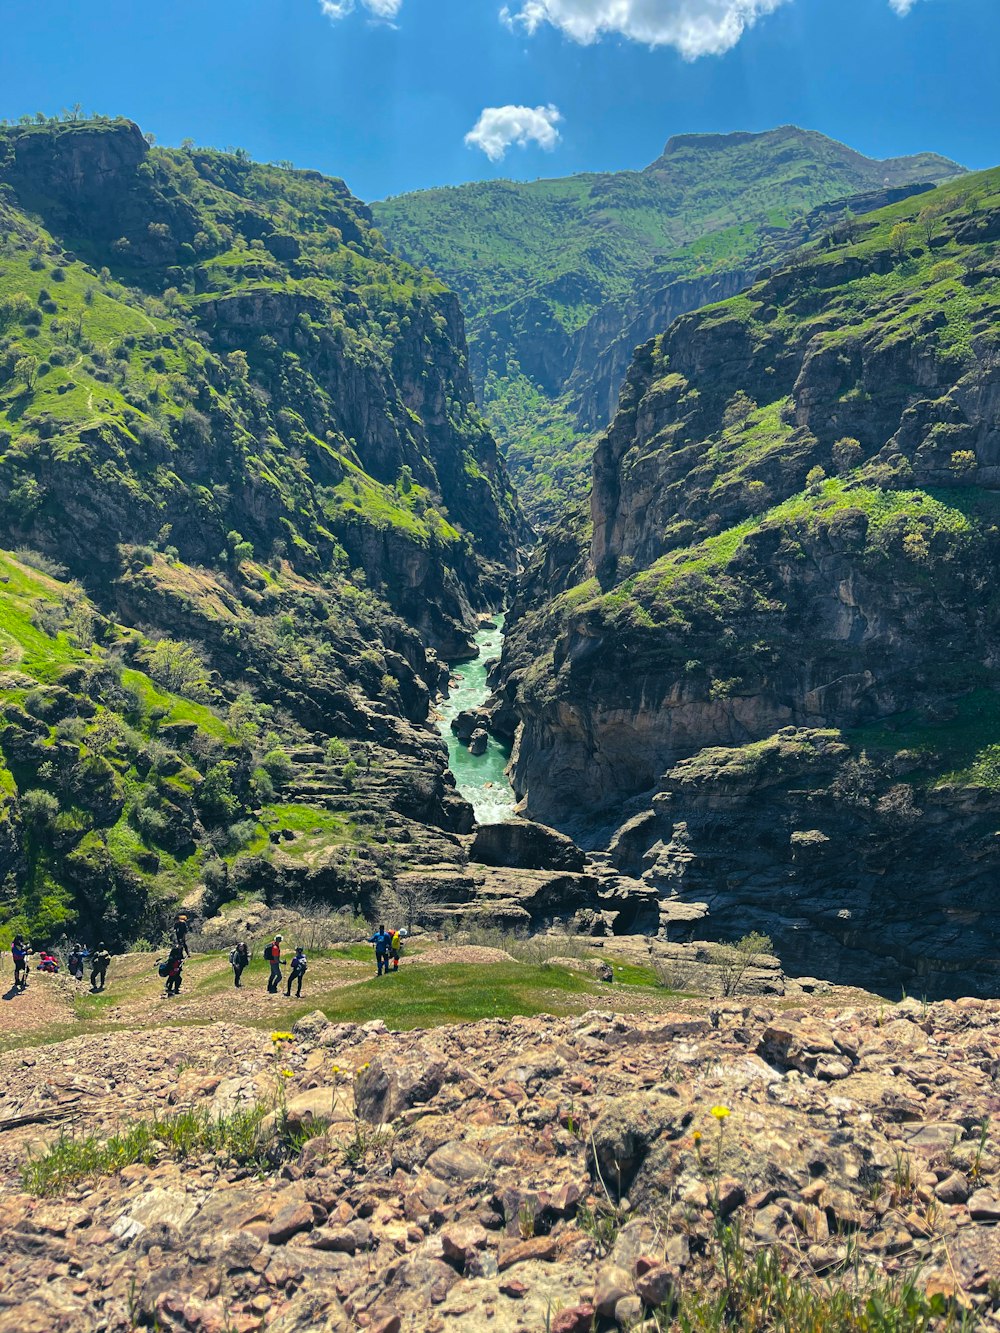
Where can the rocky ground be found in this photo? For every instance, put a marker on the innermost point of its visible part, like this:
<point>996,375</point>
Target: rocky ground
<point>561,1173</point>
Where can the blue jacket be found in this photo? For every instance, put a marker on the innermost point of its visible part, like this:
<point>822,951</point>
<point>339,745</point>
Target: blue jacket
<point>381,940</point>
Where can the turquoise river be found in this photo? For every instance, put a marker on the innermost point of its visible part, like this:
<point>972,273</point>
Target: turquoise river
<point>480,778</point>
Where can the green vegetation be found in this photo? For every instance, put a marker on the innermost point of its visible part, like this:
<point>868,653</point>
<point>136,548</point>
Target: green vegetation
<point>761,1291</point>
<point>460,993</point>
<point>72,1159</point>
<point>534,261</point>
<point>840,477</point>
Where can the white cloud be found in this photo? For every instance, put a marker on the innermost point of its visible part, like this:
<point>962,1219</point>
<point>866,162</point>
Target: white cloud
<point>500,126</point>
<point>380,9</point>
<point>902,7</point>
<point>693,27</point>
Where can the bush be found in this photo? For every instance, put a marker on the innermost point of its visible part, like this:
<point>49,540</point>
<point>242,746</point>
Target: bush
<point>278,766</point>
<point>177,666</point>
<point>39,810</point>
<point>736,959</point>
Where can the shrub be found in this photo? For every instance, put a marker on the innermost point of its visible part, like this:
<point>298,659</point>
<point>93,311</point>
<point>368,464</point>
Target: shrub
<point>737,958</point>
<point>180,668</point>
<point>278,766</point>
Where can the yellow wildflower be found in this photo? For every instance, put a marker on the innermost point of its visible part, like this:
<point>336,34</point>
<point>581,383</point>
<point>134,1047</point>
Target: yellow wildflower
<point>287,1073</point>
<point>721,1112</point>
<point>697,1137</point>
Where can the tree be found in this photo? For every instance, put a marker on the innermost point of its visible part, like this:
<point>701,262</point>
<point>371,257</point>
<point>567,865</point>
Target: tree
<point>900,239</point>
<point>736,959</point>
<point>26,371</point>
<point>963,463</point>
<point>814,480</point>
<point>407,903</point>
<point>929,218</point>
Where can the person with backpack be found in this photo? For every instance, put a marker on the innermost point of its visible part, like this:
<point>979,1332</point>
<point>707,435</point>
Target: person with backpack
<point>19,951</point>
<point>47,963</point>
<point>181,933</point>
<point>298,971</point>
<point>100,959</point>
<point>272,955</point>
<point>74,963</point>
<point>238,960</point>
<point>382,941</point>
<point>395,947</point>
<point>173,969</point>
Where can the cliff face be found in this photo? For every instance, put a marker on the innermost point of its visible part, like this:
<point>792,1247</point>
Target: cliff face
<point>793,524</point>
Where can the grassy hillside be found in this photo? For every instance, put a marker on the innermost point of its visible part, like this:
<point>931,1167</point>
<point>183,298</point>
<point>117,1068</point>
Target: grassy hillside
<point>229,347</point>
<point>535,261</point>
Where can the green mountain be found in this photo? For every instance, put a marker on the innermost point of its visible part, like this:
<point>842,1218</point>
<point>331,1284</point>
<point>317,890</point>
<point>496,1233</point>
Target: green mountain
<point>773,642</point>
<point>552,273</point>
<point>239,450</point>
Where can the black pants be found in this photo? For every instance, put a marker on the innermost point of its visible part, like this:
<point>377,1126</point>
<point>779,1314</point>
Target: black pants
<point>96,976</point>
<point>182,943</point>
<point>382,962</point>
<point>295,976</point>
<point>237,972</point>
<point>174,984</point>
<point>274,980</point>
<point>20,974</point>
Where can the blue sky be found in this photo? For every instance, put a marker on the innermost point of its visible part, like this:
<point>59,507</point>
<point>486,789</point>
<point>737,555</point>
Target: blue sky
<point>387,102</point>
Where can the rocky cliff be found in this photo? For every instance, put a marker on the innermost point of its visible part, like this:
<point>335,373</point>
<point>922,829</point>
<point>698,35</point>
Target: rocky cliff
<point>793,525</point>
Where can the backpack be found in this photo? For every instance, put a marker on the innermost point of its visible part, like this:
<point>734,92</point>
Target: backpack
<point>163,969</point>
<point>234,958</point>
<point>299,965</point>
<point>269,954</point>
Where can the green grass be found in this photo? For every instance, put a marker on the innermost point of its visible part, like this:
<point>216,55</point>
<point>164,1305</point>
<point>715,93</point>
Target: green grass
<point>418,997</point>
<point>757,1290</point>
<point>73,1159</point>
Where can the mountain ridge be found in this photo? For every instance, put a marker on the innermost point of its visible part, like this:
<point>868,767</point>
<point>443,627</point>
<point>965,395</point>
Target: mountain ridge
<point>536,262</point>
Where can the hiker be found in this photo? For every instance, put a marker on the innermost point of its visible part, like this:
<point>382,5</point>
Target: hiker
<point>238,959</point>
<point>298,971</point>
<point>396,941</point>
<point>19,951</point>
<point>74,963</point>
<point>181,933</point>
<point>381,939</point>
<point>272,955</point>
<point>46,963</point>
<point>99,967</point>
<point>173,969</point>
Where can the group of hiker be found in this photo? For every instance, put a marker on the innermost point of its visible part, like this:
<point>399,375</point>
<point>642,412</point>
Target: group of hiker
<point>78,957</point>
<point>389,945</point>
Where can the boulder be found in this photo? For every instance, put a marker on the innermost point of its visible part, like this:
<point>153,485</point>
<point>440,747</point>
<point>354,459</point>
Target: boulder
<point>523,845</point>
<point>467,722</point>
<point>478,741</point>
<point>591,967</point>
<point>381,1093</point>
